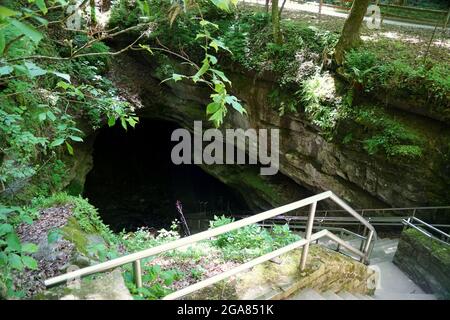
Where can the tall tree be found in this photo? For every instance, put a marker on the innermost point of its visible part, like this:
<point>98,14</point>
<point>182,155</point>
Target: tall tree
<point>350,33</point>
<point>276,22</point>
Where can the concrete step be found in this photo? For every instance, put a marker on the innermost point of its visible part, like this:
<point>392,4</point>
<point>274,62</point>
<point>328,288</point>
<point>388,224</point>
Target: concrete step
<point>307,294</point>
<point>383,251</point>
<point>393,284</point>
<point>381,242</point>
<point>347,296</point>
<point>388,250</point>
<point>363,297</point>
<point>385,295</point>
<point>386,245</point>
<point>311,294</point>
<point>329,295</point>
<point>378,260</point>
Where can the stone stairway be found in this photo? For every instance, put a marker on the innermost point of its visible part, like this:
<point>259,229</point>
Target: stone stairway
<point>384,249</point>
<point>311,294</point>
<point>392,283</point>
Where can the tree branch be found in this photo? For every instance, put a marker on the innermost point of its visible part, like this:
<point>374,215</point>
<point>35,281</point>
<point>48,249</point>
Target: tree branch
<point>90,54</point>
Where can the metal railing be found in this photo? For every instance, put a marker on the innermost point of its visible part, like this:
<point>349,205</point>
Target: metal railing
<point>136,257</point>
<point>433,232</point>
<point>329,218</point>
<point>394,221</point>
<point>222,276</point>
<point>407,212</point>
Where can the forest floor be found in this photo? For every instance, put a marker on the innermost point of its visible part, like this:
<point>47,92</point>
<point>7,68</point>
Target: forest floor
<point>52,257</point>
<point>328,11</point>
<point>388,36</point>
<point>195,268</point>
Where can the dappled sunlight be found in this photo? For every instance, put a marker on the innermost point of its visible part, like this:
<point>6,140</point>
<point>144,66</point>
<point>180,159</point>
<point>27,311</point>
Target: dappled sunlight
<point>391,35</point>
<point>442,43</point>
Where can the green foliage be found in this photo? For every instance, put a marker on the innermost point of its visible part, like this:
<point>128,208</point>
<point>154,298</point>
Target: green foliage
<point>283,102</point>
<point>43,98</point>
<point>377,131</point>
<point>405,13</point>
<point>318,95</point>
<point>99,61</point>
<point>184,25</point>
<point>142,238</point>
<point>197,273</point>
<point>438,249</point>
<point>359,63</point>
<point>124,14</point>
<point>373,70</point>
<point>252,240</point>
<point>85,214</point>
<point>250,39</point>
<point>31,133</point>
<point>155,282</point>
<point>387,135</point>
<point>14,255</point>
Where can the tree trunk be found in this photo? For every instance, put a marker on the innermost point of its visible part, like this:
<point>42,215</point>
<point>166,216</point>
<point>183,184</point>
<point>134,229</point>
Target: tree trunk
<point>282,7</point>
<point>350,33</point>
<point>93,15</point>
<point>276,22</point>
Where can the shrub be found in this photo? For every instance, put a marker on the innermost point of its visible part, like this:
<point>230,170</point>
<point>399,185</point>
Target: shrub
<point>250,241</point>
<point>387,134</point>
<point>319,97</point>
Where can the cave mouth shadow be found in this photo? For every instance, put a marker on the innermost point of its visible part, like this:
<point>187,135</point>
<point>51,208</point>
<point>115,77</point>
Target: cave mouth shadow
<point>134,183</point>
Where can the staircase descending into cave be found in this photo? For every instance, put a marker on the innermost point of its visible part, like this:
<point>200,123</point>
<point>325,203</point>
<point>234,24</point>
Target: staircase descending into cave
<point>392,283</point>
<point>311,294</point>
<point>383,249</point>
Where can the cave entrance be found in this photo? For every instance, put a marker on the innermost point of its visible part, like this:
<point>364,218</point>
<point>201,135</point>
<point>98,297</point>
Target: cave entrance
<point>134,183</point>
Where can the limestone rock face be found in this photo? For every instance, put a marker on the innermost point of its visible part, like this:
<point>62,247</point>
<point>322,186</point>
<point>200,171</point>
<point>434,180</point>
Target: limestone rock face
<point>305,156</point>
<point>425,261</point>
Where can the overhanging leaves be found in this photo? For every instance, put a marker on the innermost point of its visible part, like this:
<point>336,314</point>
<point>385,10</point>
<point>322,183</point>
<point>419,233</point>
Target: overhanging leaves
<point>27,30</point>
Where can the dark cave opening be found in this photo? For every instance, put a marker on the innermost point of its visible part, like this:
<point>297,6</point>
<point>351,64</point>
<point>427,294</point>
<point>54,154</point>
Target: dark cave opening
<point>134,183</point>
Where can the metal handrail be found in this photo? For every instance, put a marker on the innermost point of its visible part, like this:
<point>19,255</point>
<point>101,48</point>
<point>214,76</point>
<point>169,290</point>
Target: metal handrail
<point>429,226</point>
<point>330,220</point>
<point>410,223</point>
<point>386,209</point>
<point>136,257</point>
<point>340,229</point>
<point>222,276</point>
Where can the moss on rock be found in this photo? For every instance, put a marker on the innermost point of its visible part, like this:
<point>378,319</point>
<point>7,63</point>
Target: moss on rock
<point>72,232</point>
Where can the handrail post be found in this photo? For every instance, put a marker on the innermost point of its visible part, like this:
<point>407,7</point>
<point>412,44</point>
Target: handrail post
<point>137,273</point>
<point>309,227</point>
<point>361,247</point>
<point>367,247</point>
<point>405,225</point>
<point>359,225</point>
<point>341,234</point>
